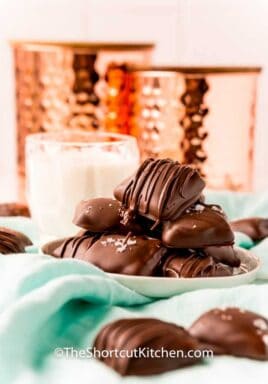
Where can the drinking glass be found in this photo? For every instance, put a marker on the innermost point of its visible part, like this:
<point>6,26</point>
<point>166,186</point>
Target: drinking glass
<point>63,168</point>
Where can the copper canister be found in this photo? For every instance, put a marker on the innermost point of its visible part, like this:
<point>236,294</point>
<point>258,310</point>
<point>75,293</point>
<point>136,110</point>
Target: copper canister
<point>63,85</point>
<point>200,116</point>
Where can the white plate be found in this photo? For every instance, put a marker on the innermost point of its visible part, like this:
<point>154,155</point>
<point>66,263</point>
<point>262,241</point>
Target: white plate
<point>162,287</point>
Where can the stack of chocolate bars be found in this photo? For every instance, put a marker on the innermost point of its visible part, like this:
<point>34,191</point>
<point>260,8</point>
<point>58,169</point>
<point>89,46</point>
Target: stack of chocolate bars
<point>157,225</point>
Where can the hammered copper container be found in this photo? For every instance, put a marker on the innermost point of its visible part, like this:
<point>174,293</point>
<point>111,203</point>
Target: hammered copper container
<point>63,85</point>
<point>200,116</point>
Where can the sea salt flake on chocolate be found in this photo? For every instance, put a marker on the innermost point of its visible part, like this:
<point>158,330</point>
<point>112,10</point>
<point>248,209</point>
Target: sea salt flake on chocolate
<point>200,229</point>
<point>239,337</point>
<point>199,207</point>
<point>265,339</point>
<point>131,242</point>
<point>160,189</point>
<point>216,208</point>
<point>122,248</point>
<point>108,241</point>
<point>260,324</point>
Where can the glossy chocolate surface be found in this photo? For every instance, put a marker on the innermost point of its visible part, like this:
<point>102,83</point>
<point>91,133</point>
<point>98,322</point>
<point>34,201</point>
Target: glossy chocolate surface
<point>225,254</point>
<point>127,254</point>
<point>132,334</point>
<point>74,247</point>
<point>160,189</point>
<point>12,241</point>
<point>98,215</point>
<point>191,263</point>
<point>130,255</point>
<point>255,227</point>
<point>233,331</point>
<point>198,227</point>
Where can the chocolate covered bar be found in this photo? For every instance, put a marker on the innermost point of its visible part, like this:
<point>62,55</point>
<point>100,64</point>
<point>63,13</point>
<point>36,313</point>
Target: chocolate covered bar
<point>147,334</point>
<point>160,189</point>
<point>233,331</point>
<point>255,227</point>
<point>115,253</point>
<point>198,227</point>
<point>192,263</point>
<point>225,254</point>
<point>12,241</point>
<point>98,215</point>
<point>107,215</point>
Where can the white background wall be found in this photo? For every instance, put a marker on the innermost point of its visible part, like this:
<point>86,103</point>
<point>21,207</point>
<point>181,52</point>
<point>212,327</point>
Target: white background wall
<point>194,32</point>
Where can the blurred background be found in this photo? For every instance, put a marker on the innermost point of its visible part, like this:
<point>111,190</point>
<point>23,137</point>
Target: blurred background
<point>185,33</point>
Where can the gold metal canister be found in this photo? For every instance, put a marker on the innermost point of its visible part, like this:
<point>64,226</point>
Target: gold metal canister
<point>203,116</point>
<point>63,85</point>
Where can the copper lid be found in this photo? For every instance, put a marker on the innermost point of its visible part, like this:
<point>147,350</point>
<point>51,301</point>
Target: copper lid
<point>197,70</point>
<point>81,45</point>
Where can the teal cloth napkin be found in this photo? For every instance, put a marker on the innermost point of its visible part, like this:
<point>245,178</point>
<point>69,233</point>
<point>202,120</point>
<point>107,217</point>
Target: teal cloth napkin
<point>47,304</point>
<point>241,205</point>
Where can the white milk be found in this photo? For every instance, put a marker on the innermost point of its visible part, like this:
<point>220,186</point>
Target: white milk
<point>57,180</point>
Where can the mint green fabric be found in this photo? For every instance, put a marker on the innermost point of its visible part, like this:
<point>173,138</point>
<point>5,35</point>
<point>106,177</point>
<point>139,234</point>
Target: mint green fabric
<point>241,205</point>
<point>47,304</point>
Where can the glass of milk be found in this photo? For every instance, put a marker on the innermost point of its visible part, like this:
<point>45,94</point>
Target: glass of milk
<point>63,168</point>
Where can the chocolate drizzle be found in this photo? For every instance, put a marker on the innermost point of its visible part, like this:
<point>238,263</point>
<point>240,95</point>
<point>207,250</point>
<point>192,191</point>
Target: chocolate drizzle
<point>147,333</point>
<point>13,241</point>
<point>228,331</point>
<point>159,224</point>
<point>74,247</point>
<point>194,264</point>
<point>115,253</point>
<point>161,189</point>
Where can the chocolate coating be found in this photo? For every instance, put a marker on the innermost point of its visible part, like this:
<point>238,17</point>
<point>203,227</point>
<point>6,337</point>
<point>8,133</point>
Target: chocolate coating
<point>129,255</point>
<point>12,241</point>
<point>191,263</point>
<point>160,189</point>
<point>233,331</point>
<point>255,227</point>
<point>50,247</point>
<point>107,215</point>
<point>132,334</point>
<point>223,254</point>
<point>14,209</point>
<point>73,247</point>
<point>98,215</point>
<point>198,228</point>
